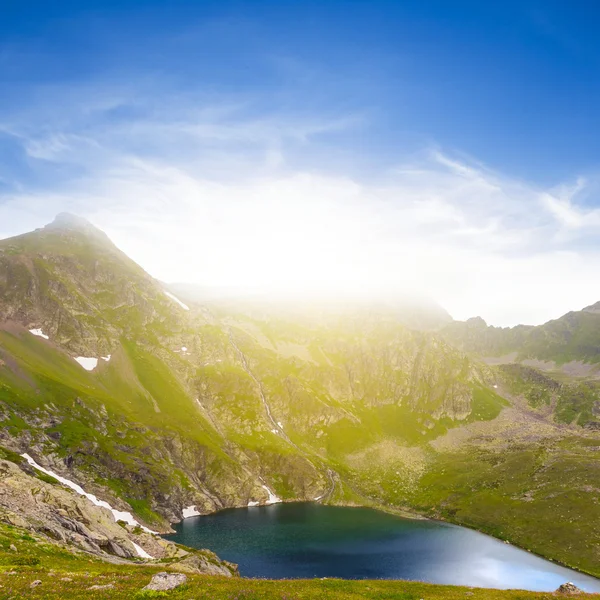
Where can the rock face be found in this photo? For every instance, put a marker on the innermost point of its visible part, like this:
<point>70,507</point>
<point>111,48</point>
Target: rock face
<point>569,589</point>
<point>57,513</point>
<point>162,582</point>
<point>53,510</point>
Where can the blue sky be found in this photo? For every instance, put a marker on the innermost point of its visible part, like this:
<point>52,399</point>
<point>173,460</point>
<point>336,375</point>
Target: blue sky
<point>450,148</point>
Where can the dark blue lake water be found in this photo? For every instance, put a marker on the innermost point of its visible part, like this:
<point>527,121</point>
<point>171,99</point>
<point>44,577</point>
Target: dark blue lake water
<point>310,540</point>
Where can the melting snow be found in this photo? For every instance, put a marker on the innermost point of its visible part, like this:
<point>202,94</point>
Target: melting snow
<point>274,431</point>
<point>39,333</point>
<point>184,306</point>
<point>183,349</point>
<point>117,514</point>
<point>106,358</point>
<point>141,552</point>
<point>273,499</point>
<point>280,424</point>
<point>89,364</point>
<point>190,511</point>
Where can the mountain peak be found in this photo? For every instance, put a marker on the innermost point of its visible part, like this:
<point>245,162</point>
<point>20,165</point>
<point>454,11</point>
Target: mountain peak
<point>65,220</point>
<point>477,322</point>
<point>70,224</point>
<point>593,308</point>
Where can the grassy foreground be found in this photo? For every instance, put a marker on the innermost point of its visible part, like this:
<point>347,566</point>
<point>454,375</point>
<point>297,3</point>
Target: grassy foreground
<point>128,583</point>
<point>25,559</point>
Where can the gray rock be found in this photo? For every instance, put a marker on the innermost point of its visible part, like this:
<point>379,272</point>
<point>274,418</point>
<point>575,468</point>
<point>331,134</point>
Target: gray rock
<point>108,586</point>
<point>569,589</point>
<point>207,563</point>
<point>164,581</point>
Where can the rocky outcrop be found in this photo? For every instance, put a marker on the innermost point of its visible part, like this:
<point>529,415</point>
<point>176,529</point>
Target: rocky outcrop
<point>207,562</point>
<point>569,589</point>
<point>59,515</point>
<point>54,511</point>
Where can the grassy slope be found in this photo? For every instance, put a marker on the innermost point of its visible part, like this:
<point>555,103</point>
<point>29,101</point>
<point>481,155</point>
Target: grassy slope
<point>67,576</point>
<point>106,420</point>
<point>533,496</point>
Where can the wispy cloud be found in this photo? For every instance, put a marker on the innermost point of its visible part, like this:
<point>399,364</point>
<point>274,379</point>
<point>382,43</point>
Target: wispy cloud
<point>225,192</point>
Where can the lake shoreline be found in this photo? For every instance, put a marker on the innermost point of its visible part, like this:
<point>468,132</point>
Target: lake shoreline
<point>486,538</point>
<point>404,514</point>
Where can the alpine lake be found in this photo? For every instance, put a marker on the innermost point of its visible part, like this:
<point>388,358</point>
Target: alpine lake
<point>310,540</point>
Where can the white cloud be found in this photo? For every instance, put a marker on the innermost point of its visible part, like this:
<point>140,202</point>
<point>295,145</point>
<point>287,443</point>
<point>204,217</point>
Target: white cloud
<point>213,193</point>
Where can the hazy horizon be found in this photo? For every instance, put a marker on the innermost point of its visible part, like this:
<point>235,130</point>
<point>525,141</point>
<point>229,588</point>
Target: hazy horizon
<point>329,151</point>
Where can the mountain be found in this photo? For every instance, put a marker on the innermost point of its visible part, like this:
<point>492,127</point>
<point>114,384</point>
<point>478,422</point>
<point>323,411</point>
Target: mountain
<point>574,337</point>
<point>69,280</point>
<point>163,406</point>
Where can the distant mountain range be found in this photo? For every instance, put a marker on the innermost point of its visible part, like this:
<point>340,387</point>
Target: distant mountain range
<point>573,337</point>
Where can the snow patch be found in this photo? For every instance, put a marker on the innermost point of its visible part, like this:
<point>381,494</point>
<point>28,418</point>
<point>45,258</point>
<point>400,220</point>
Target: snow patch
<point>106,358</point>
<point>39,333</point>
<point>190,511</point>
<point>184,306</point>
<point>274,431</point>
<point>273,499</point>
<point>318,498</point>
<point>141,552</point>
<point>118,515</point>
<point>495,386</point>
<point>252,503</point>
<point>89,364</point>
<point>280,424</point>
<point>183,349</point>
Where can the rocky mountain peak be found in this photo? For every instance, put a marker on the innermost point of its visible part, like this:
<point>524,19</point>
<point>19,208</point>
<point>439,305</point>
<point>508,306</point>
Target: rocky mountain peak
<point>478,322</point>
<point>74,224</point>
<point>593,308</point>
<point>70,221</point>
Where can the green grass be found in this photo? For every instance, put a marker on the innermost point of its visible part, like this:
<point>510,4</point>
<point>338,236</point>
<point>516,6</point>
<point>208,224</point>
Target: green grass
<point>532,496</point>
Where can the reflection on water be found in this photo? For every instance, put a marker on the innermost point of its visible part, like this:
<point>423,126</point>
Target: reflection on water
<point>310,540</point>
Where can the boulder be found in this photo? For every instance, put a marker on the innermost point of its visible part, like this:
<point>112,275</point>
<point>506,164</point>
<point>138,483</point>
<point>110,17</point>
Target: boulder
<point>569,589</point>
<point>164,581</point>
<point>207,563</point>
